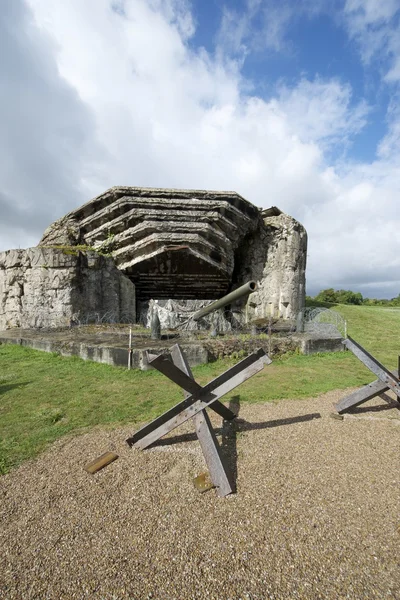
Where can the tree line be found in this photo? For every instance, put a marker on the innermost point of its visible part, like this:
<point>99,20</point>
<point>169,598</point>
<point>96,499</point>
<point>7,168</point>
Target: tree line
<point>349,297</point>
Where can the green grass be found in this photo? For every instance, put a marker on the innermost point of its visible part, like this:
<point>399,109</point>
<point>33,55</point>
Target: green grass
<point>45,396</point>
<point>375,327</point>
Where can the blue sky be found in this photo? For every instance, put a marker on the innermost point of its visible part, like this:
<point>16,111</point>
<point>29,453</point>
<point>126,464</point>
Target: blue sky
<point>293,104</point>
<point>312,44</point>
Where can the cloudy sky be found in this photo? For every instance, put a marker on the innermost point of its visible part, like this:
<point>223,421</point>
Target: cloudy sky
<point>291,103</point>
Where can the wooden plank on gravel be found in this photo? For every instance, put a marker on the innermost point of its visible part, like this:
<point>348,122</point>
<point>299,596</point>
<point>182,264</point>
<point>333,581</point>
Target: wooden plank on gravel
<point>101,462</point>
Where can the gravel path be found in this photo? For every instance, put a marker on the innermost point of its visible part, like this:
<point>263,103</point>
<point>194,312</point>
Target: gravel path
<point>316,514</point>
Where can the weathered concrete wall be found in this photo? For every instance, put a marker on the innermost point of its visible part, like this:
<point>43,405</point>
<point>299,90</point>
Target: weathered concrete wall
<point>196,354</point>
<point>275,257</point>
<point>47,287</point>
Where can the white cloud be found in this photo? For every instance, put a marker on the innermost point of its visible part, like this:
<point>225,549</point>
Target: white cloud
<point>261,24</point>
<point>321,110</point>
<point>393,75</point>
<point>371,12</point>
<point>47,133</point>
<point>137,105</point>
<point>375,27</point>
<point>234,31</point>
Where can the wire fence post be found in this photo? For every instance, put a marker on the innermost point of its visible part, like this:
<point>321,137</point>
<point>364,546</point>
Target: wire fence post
<point>269,334</point>
<point>130,349</point>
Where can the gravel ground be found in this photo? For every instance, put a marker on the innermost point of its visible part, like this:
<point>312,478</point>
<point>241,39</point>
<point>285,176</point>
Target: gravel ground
<point>316,513</point>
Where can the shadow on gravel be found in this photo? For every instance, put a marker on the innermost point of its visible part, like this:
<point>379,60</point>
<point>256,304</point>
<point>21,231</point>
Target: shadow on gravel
<point>245,426</point>
<point>229,432</point>
<point>358,410</point>
<point>240,425</point>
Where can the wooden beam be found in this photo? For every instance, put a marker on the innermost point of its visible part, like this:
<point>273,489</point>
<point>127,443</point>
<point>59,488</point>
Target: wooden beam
<point>362,395</point>
<point>101,462</point>
<point>206,436</point>
<point>212,454</point>
<point>388,399</point>
<point>373,365</point>
<point>189,407</point>
<point>175,374</point>
<point>179,359</point>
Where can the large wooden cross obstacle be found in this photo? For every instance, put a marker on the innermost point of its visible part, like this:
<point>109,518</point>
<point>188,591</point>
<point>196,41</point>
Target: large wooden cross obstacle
<point>197,399</point>
<point>386,380</point>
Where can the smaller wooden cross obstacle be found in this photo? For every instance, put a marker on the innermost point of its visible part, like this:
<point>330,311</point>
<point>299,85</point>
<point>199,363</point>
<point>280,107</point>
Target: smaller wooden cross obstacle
<point>197,399</point>
<point>386,380</point>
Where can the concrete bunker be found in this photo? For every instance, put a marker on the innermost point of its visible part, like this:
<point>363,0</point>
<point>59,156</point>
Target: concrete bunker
<point>188,246</point>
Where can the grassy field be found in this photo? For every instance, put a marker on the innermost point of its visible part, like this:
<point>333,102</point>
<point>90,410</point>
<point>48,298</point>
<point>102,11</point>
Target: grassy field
<point>376,328</point>
<point>45,396</point>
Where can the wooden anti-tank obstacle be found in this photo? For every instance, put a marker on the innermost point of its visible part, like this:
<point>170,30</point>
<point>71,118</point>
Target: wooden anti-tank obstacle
<point>197,399</point>
<point>386,380</point>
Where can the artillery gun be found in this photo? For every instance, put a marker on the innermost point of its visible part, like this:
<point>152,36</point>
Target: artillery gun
<point>243,290</point>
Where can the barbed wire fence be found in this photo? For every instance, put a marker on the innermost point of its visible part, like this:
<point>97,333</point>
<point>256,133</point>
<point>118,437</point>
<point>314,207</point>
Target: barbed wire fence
<point>224,332</point>
<point>176,322</point>
<point>179,319</point>
<point>325,322</point>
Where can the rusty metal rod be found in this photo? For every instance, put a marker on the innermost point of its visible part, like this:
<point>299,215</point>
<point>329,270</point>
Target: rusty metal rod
<point>245,289</point>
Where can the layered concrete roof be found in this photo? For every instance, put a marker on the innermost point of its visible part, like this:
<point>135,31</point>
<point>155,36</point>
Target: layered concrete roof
<point>171,243</point>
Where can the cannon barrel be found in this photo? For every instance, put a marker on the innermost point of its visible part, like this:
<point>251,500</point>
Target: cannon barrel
<point>245,289</point>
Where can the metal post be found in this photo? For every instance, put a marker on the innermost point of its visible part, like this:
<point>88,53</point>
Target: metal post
<point>130,349</point>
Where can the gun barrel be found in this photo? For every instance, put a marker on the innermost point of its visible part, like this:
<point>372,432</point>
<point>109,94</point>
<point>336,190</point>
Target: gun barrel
<point>245,289</point>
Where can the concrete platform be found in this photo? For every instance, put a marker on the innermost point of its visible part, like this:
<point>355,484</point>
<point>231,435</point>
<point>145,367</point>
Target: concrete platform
<point>109,344</point>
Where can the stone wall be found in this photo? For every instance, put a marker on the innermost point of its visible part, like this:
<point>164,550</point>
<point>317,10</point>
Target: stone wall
<point>275,257</point>
<point>283,286</point>
<point>48,287</point>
